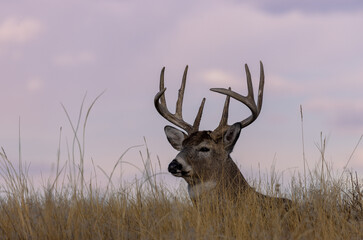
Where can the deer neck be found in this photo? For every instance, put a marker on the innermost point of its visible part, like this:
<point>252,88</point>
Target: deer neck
<point>232,177</point>
<point>201,188</point>
<point>228,178</point>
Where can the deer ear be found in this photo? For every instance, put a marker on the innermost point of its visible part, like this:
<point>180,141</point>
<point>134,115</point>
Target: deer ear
<point>175,137</point>
<point>231,136</point>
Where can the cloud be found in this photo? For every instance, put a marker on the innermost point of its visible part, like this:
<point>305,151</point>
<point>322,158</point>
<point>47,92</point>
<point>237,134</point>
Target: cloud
<point>35,84</point>
<point>341,112</point>
<point>333,104</point>
<point>217,76</point>
<point>74,59</point>
<point>279,6</point>
<point>279,85</point>
<point>13,30</point>
<point>289,43</point>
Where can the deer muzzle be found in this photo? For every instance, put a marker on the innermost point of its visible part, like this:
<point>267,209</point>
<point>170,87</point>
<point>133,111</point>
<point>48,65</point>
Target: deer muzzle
<point>175,167</point>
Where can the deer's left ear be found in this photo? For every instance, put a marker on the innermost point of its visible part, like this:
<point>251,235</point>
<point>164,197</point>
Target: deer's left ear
<point>231,136</point>
<point>175,137</point>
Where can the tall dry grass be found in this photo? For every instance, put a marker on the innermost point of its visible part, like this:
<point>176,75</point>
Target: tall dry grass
<point>68,207</point>
<point>148,210</point>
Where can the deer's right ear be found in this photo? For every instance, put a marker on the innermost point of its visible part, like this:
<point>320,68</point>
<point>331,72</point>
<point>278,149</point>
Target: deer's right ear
<point>175,137</point>
<point>231,136</point>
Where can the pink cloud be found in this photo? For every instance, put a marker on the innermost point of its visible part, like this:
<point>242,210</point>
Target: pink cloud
<point>74,59</point>
<point>14,30</point>
<point>279,85</point>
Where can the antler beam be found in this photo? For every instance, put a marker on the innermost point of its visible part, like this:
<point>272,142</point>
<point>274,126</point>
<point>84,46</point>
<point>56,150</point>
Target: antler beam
<point>248,100</point>
<point>177,117</point>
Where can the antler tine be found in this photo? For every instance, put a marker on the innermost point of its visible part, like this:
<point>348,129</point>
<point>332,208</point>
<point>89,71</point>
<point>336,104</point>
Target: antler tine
<point>249,83</point>
<point>177,119</point>
<point>223,124</point>
<point>224,118</point>
<point>161,87</point>
<point>198,117</point>
<point>248,100</point>
<point>179,102</point>
<point>260,87</point>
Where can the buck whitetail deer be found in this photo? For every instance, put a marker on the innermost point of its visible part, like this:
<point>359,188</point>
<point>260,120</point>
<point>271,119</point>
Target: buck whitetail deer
<point>204,156</point>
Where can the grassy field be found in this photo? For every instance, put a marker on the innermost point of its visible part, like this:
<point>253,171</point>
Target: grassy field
<point>145,209</point>
<point>69,206</point>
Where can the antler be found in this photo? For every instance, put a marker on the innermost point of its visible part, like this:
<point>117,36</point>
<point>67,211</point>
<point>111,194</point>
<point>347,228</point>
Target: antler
<point>177,118</point>
<point>248,100</point>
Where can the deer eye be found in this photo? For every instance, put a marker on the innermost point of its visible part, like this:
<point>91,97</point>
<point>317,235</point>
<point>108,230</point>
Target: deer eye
<point>203,149</point>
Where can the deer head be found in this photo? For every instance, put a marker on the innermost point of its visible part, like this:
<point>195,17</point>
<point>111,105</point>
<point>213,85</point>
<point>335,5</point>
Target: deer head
<point>204,156</point>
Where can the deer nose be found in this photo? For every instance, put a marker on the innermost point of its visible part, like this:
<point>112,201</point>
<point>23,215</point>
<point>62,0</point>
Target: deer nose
<point>174,166</point>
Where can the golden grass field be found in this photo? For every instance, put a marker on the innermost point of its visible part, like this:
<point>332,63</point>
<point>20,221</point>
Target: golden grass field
<point>146,209</point>
<point>71,207</point>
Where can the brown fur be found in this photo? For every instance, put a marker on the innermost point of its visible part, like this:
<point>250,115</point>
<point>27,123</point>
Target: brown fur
<point>216,165</point>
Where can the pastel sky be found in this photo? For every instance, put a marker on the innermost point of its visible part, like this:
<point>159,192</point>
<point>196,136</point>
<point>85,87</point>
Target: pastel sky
<point>54,52</point>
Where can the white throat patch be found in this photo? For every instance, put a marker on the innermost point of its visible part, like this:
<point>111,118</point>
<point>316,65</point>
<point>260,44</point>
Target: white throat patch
<point>198,189</point>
